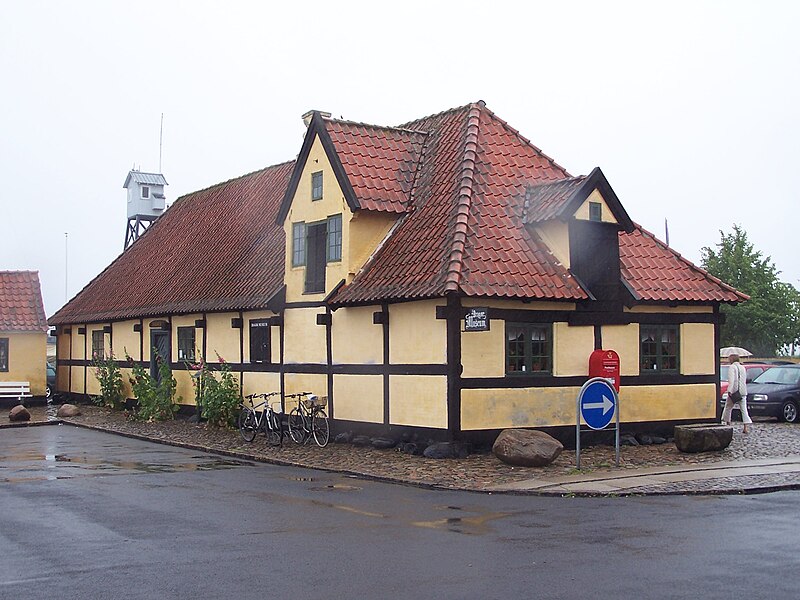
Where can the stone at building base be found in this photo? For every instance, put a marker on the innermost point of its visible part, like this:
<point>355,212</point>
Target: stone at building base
<point>446,450</point>
<point>526,448</point>
<point>68,410</point>
<point>703,438</point>
<point>380,443</point>
<point>19,413</point>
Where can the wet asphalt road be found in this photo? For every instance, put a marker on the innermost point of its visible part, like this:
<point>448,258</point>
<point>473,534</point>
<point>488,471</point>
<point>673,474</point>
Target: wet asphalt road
<point>85,514</point>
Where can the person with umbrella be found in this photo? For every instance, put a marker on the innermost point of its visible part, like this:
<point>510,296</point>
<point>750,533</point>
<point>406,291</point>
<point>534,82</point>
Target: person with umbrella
<point>737,392</point>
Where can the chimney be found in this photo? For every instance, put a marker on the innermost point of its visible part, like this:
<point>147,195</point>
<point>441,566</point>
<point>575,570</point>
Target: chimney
<point>310,114</point>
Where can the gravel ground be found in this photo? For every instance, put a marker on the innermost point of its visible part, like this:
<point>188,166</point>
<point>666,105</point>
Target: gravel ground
<point>767,439</point>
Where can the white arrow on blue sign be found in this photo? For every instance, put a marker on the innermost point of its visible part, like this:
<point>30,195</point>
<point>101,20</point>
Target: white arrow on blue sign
<point>598,400</point>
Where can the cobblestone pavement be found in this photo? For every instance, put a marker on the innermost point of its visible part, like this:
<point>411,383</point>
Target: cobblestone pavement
<point>478,472</point>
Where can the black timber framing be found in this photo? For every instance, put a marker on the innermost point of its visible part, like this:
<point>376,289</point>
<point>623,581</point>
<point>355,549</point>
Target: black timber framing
<point>454,317</point>
<point>384,319</point>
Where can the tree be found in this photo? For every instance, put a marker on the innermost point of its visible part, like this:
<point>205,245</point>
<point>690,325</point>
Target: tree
<point>768,322</point>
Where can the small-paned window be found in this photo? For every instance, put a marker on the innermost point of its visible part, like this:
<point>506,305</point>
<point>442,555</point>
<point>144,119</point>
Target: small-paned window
<point>260,341</point>
<point>145,192</point>
<point>658,352</point>
<point>334,238</point>
<point>316,185</point>
<point>186,345</point>
<point>298,244</point>
<point>4,355</point>
<point>98,338</point>
<point>595,211</point>
<point>529,348</point>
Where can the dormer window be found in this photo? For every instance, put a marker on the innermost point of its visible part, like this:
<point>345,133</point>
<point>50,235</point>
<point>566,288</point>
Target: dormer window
<point>595,211</point>
<point>316,185</point>
<point>145,192</point>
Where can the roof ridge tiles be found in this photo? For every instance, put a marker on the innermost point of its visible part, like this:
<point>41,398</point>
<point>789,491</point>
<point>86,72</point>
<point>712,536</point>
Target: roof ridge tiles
<point>464,202</point>
<point>232,179</point>
<point>690,264</point>
<point>444,112</point>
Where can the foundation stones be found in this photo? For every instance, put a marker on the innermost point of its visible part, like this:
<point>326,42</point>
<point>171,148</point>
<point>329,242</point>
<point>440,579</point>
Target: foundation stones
<point>526,448</point>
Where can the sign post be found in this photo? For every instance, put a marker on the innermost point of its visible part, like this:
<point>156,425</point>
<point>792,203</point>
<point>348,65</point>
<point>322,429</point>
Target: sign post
<point>597,404</point>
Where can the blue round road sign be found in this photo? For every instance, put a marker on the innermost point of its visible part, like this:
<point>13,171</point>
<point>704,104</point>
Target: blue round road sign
<point>598,401</point>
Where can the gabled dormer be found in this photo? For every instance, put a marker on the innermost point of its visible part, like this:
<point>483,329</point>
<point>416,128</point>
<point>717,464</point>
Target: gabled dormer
<point>351,184</point>
<point>579,218</point>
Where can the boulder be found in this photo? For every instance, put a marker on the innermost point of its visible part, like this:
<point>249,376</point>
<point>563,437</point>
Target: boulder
<point>381,443</point>
<point>628,439</point>
<point>362,440</point>
<point>526,448</point>
<point>703,438</point>
<point>446,450</point>
<point>645,439</point>
<point>19,413</point>
<point>68,410</point>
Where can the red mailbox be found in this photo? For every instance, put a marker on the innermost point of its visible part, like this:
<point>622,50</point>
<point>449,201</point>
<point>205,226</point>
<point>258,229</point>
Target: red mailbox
<point>605,364</point>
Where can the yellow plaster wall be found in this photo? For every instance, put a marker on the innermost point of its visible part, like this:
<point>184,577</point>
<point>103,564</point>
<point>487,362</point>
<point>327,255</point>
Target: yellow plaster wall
<point>358,397</point>
<point>697,349</point>
<point>668,402</point>
<point>184,392</point>
<point>221,338</point>
<point>571,349</point>
<point>304,339</point>
<point>624,340</point>
<point>125,340</point>
<point>524,407</point>
<point>483,352</point>
<point>544,407</point>
<point>80,346</point>
<point>27,358</point>
<point>355,338</point>
<point>260,383</point>
<point>303,209</point>
<point>416,336</point>
<point>583,212</point>
<point>304,382</point>
<point>77,380</point>
<point>275,338</point>
<point>555,234</point>
<point>418,401</point>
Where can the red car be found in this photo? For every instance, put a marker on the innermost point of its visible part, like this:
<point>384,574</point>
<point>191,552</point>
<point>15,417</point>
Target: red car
<point>753,370</point>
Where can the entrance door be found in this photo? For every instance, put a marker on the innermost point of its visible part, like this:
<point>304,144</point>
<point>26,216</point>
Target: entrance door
<point>159,343</point>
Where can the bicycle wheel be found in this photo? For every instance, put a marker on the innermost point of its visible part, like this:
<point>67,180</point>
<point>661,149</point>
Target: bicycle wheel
<point>247,424</point>
<point>297,430</point>
<point>274,430</point>
<point>320,428</point>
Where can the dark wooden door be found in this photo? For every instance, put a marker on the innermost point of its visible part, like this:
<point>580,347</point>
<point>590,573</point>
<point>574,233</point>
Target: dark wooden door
<point>316,238</point>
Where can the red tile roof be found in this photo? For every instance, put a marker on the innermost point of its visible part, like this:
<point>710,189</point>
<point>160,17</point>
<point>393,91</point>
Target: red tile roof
<point>216,249</point>
<point>463,183</point>
<point>21,307</point>
<point>464,231</point>
<point>655,272</point>
<point>380,162</point>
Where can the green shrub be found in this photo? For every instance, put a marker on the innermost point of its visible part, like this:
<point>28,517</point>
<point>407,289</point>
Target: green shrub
<point>155,398</point>
<point>112,394</point>
<point>217,398</point>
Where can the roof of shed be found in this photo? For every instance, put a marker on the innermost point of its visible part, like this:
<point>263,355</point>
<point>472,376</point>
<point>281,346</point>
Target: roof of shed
<point>21,306</point>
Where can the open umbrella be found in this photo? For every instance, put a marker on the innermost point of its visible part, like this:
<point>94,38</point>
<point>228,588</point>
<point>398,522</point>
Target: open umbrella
<point>726,352</point>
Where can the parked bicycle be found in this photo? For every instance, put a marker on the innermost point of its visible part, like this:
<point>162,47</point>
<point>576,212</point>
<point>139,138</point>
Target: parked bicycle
<point>309,419</point>
<point>260,417</point>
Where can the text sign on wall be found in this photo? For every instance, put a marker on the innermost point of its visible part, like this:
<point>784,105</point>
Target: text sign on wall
<point>477,319</point>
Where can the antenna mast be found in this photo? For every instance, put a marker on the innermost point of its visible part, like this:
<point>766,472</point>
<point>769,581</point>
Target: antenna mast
<point>160,139</point>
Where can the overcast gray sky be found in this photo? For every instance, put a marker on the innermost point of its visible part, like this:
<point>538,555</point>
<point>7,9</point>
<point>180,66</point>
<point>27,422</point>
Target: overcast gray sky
<point>690,108</point>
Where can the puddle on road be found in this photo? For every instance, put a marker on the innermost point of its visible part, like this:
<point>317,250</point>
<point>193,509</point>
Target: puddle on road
<point>475,525</point>
<point>106,467</point>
